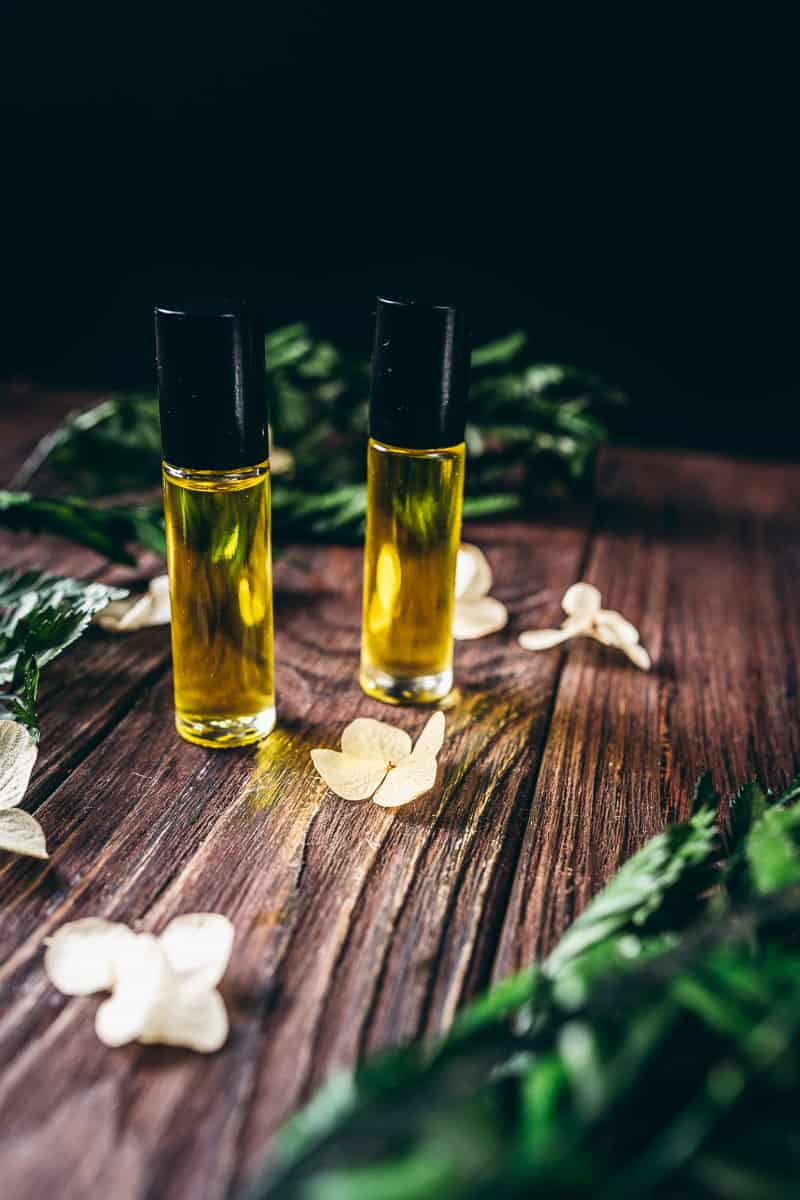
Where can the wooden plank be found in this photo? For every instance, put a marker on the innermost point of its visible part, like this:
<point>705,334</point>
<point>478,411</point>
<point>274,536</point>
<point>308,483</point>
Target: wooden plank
<point>334,904</point>
<point>702,554</point>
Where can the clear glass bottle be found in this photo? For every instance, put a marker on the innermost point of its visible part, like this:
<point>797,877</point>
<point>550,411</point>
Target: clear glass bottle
<point>415,484</point>
<point>217,512</point>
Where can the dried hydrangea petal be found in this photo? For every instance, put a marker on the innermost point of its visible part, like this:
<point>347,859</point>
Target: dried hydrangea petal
<point>20,833</point>
<point>141,976</point>
<point>544,639</point>
<point>350,777</point>
<point>582,599</point>
<point>198,946</point>
<point>82,955</point>
<point>18,751</point>
<point>408,781</point>
<point>473,573</point>
<point>637,654</point>
<point>616,628</point>
<point>367,738</point>
<point>196,1020</point>
<point>478,618</point>
<point>432,737</point>
<point>137,612</point>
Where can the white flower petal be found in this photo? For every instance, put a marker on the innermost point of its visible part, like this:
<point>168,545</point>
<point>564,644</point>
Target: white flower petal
<point>20,833</point>
<point>473,573</point>
<point>431,739</point>
<point>350,777</point>
<point>142,975</point>
<point>366,738</point>
<point>281,461</point>
<point>188,1017</point>
<point>544,639</point>
<point>637,654</point>
<point>614,624</point>
<point>18,752</point>
<point>582,599</point>
<point>137,612</point>
<point>478,618</point>
<point>403,784</point>
<point>82,956</point>
<point>198,946</point>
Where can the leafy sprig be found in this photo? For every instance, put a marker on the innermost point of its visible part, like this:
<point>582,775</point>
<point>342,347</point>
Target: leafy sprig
<point>109,531</point>
<point>40,615</point>
<point>655,1053</point>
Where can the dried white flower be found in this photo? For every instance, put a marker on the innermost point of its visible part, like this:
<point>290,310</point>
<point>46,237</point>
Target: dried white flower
<point>20,833</point>
<point>379,760</point>
<point>476,614</point>
<point>163,989</point>
<point>585,618</point>
<point>135,612</point>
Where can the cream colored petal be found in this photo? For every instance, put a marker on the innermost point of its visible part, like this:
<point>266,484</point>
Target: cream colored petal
<point>478,618</point>
<point>432,737</point>
<point>20,833</point>
<point>18,752</point>
<point>366,738</point>
<point>281,461</point>
<point>349,777</point>
<point>614,624</point>
<point>82,956</point>
<point>198,946</point>
<point>403,784</point>
<point>543,639</point>
<point>188,1017</point>
<point>142,975</point>
<point>582,599</point>
<point>137,612</point>
<point>638,655</point>
<point>473,573</point>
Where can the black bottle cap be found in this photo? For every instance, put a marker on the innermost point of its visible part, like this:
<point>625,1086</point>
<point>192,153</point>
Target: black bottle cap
<point>210,364</point>
<point>420,375</point>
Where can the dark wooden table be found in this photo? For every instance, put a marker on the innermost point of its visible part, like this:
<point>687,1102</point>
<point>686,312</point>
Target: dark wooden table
<point>359,927</point>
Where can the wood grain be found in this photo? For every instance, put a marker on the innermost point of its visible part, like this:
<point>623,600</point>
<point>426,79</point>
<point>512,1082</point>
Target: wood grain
<point>358,927</point>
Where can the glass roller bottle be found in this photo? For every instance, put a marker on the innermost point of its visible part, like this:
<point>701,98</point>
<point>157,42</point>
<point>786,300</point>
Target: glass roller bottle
<point>415,484</point>
<point>210,362</point>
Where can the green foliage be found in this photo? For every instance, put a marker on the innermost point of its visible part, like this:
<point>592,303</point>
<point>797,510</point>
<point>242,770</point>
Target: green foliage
<point>655,1053</point>
<point>40,615</point>
<point>108,531</point>
<point>533,429</point>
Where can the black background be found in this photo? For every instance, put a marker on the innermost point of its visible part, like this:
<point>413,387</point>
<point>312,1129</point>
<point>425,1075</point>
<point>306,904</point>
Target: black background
<point>618,182</point>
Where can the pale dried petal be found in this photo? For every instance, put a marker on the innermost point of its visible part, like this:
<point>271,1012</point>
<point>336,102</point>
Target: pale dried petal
<point>478,618</point>
<point>403,784</point>
<point>20,833</point>
<point>350,777</point>
<point>432,737</point>
<point>473,573</point>
<point>198,946</point>
<point>281,461</point>
<point>137,612</point>
<point>82,956</point>
<point>582,599</point>
<point>544,639</point>
<point>367,738</point>
<point>18,752</point>
<point>142,975</point>
<point>187,1017</point>
<point>637,654</point>
<point>616,627</point>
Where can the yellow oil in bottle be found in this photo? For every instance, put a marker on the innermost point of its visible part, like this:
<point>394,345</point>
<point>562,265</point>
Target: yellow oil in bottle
<point>414,500</point>
<point>220,570</point>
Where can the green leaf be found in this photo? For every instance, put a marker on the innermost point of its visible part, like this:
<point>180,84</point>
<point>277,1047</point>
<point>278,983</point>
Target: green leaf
<point>772,850</point>
<point>108,531</point>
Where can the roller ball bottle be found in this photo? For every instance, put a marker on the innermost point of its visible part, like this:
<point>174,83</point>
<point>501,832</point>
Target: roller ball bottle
<point>215,443</point>
<point>415,486</point>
